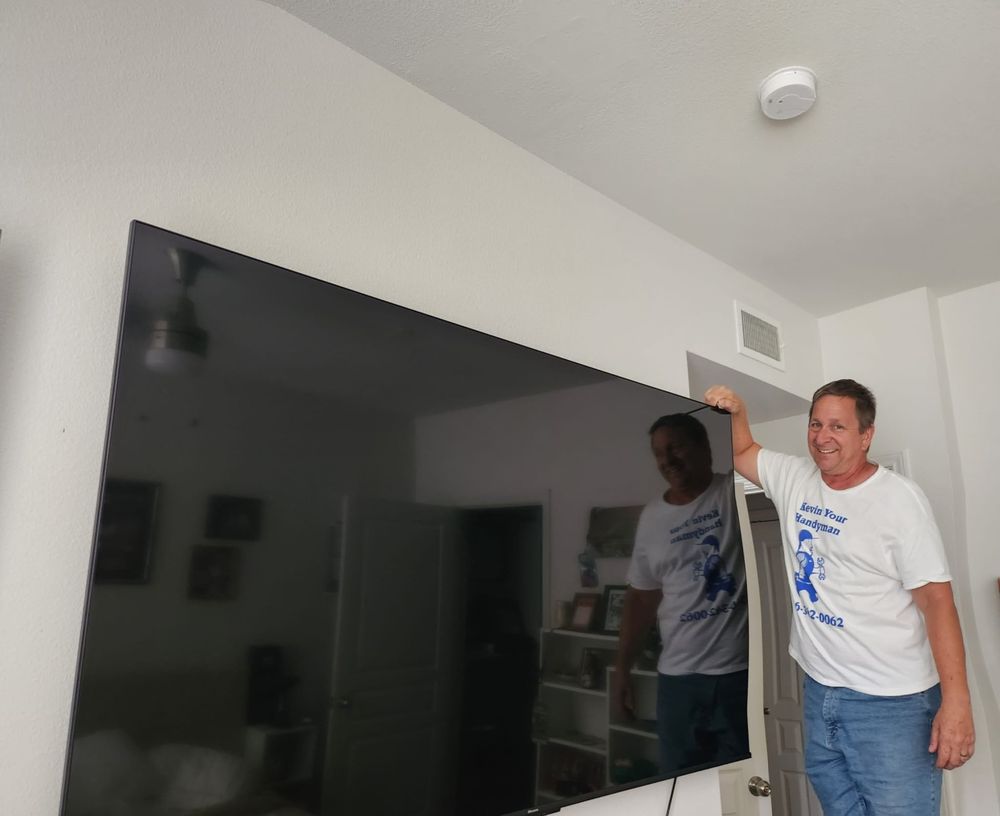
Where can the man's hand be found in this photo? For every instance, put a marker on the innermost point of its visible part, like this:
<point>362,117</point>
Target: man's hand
<point>638,615</point>
<point>745,450</point>
<point>953,736</point>
<point>622,700</point>
<point>719,396</point>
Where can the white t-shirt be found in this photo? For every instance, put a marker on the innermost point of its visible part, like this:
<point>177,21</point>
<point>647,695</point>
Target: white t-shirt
<point>851,557</point>
<point>693,553</point>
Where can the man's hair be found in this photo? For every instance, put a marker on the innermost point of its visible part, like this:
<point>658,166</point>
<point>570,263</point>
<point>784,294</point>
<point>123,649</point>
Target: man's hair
<point>688,425</point>
<point>864,400</point>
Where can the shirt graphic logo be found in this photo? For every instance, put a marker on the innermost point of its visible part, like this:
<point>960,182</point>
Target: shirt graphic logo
<point>717,577</point>
<point>805,566</point>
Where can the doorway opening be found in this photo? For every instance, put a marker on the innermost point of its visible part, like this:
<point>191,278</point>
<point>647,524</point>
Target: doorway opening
<point>503,616</point>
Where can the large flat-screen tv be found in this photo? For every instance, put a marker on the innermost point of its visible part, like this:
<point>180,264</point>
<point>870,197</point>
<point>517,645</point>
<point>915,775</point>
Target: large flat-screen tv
<point>355,560</point>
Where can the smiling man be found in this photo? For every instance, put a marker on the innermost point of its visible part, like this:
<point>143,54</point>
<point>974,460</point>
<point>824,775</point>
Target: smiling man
<point>875,630</point>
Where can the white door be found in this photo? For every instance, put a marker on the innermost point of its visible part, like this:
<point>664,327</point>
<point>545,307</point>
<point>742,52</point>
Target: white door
<point>792,795</point>
<point>398,633</point>
<point>734,779</point>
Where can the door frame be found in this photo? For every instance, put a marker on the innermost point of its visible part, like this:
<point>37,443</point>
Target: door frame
<point>733,778</point>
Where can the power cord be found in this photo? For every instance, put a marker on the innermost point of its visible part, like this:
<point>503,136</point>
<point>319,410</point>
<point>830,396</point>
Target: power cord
<point>670,801</point>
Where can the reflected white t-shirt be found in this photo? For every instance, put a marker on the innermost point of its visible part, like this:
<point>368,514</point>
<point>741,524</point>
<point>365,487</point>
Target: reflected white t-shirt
<point>851,557</point>
<point>693,553</point>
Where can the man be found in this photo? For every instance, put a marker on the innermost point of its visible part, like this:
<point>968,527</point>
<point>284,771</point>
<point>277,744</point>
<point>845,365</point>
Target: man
<point>687,573</point>
<point>886,702</point>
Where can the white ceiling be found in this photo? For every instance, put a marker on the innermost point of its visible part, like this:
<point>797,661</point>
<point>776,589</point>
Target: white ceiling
<point>891,182</point>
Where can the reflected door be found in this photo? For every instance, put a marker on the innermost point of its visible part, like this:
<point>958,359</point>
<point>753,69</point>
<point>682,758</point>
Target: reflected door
<point>792,795</point>
<point>392,706</point>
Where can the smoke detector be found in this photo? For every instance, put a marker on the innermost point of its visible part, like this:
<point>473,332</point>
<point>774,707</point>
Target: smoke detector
<point>788,92</point>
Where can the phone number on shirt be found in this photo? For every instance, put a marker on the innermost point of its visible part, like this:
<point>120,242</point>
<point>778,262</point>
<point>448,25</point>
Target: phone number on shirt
<point>702,614</point>
<point>822,617</point>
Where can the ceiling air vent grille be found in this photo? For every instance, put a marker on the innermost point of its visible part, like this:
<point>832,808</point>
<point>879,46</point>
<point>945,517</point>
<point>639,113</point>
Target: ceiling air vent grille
<point>759,337</point>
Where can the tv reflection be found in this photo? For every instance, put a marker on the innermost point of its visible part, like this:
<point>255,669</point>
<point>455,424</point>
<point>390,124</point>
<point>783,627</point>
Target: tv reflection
<point>687,582</point>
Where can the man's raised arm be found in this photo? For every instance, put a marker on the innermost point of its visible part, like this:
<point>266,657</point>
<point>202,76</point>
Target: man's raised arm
<point>745,450</point>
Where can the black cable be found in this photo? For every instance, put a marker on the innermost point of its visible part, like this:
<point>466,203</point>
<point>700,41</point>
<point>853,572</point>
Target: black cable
<point>670,801</point>
<point>715,408</point>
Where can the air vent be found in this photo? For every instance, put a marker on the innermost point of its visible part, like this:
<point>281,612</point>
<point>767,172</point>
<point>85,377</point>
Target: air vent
<point>759,337</point>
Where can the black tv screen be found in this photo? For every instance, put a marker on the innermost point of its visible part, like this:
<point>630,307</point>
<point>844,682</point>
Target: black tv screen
<point>354,559</point>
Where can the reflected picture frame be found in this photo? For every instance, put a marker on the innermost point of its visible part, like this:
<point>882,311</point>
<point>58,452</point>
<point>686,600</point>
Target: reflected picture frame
<point>611,530</point>
<point>233,518</point>
<point>125,534</point>
<point>213,572</point>
<point>613,603</point>
<point>583,616</point>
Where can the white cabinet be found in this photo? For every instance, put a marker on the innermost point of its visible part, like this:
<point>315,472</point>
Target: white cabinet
<point>284,756</point>
<point>581,745</point>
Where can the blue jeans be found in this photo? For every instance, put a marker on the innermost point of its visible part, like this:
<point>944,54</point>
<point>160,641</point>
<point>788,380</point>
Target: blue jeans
<point>867,755</point>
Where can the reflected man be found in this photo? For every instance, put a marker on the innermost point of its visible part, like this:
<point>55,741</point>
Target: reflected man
<point>687,574</point>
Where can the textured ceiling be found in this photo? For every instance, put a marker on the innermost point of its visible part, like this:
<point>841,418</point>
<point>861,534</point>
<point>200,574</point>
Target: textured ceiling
<point>892,180</point>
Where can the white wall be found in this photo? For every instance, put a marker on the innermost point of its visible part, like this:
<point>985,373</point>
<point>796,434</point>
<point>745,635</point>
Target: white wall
<point>971,336</point>
<point>894,347</point>
<point>237,124</point>
<point>786,435</point>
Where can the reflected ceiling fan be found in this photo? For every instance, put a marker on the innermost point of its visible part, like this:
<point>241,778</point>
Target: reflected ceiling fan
<point>178,345</point>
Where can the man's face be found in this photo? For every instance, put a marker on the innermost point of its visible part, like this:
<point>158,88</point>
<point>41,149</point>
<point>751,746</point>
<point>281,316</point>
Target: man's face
<point>836,442</point>
<point>679,460</point>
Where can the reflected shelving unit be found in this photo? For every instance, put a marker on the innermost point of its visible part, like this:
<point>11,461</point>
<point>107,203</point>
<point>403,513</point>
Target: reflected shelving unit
<point>580,742</point>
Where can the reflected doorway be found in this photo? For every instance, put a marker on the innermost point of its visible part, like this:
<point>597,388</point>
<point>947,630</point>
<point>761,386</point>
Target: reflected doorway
<point>465,614</point>
<point>393,697</point>
<point>503,563</point>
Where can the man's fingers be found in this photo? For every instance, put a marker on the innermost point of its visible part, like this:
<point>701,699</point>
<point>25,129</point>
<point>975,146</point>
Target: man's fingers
<point>719,396</point>
<point>960,755</point>
<point>953,738</point>
<point>950,759</point>
<point>952,752</point>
